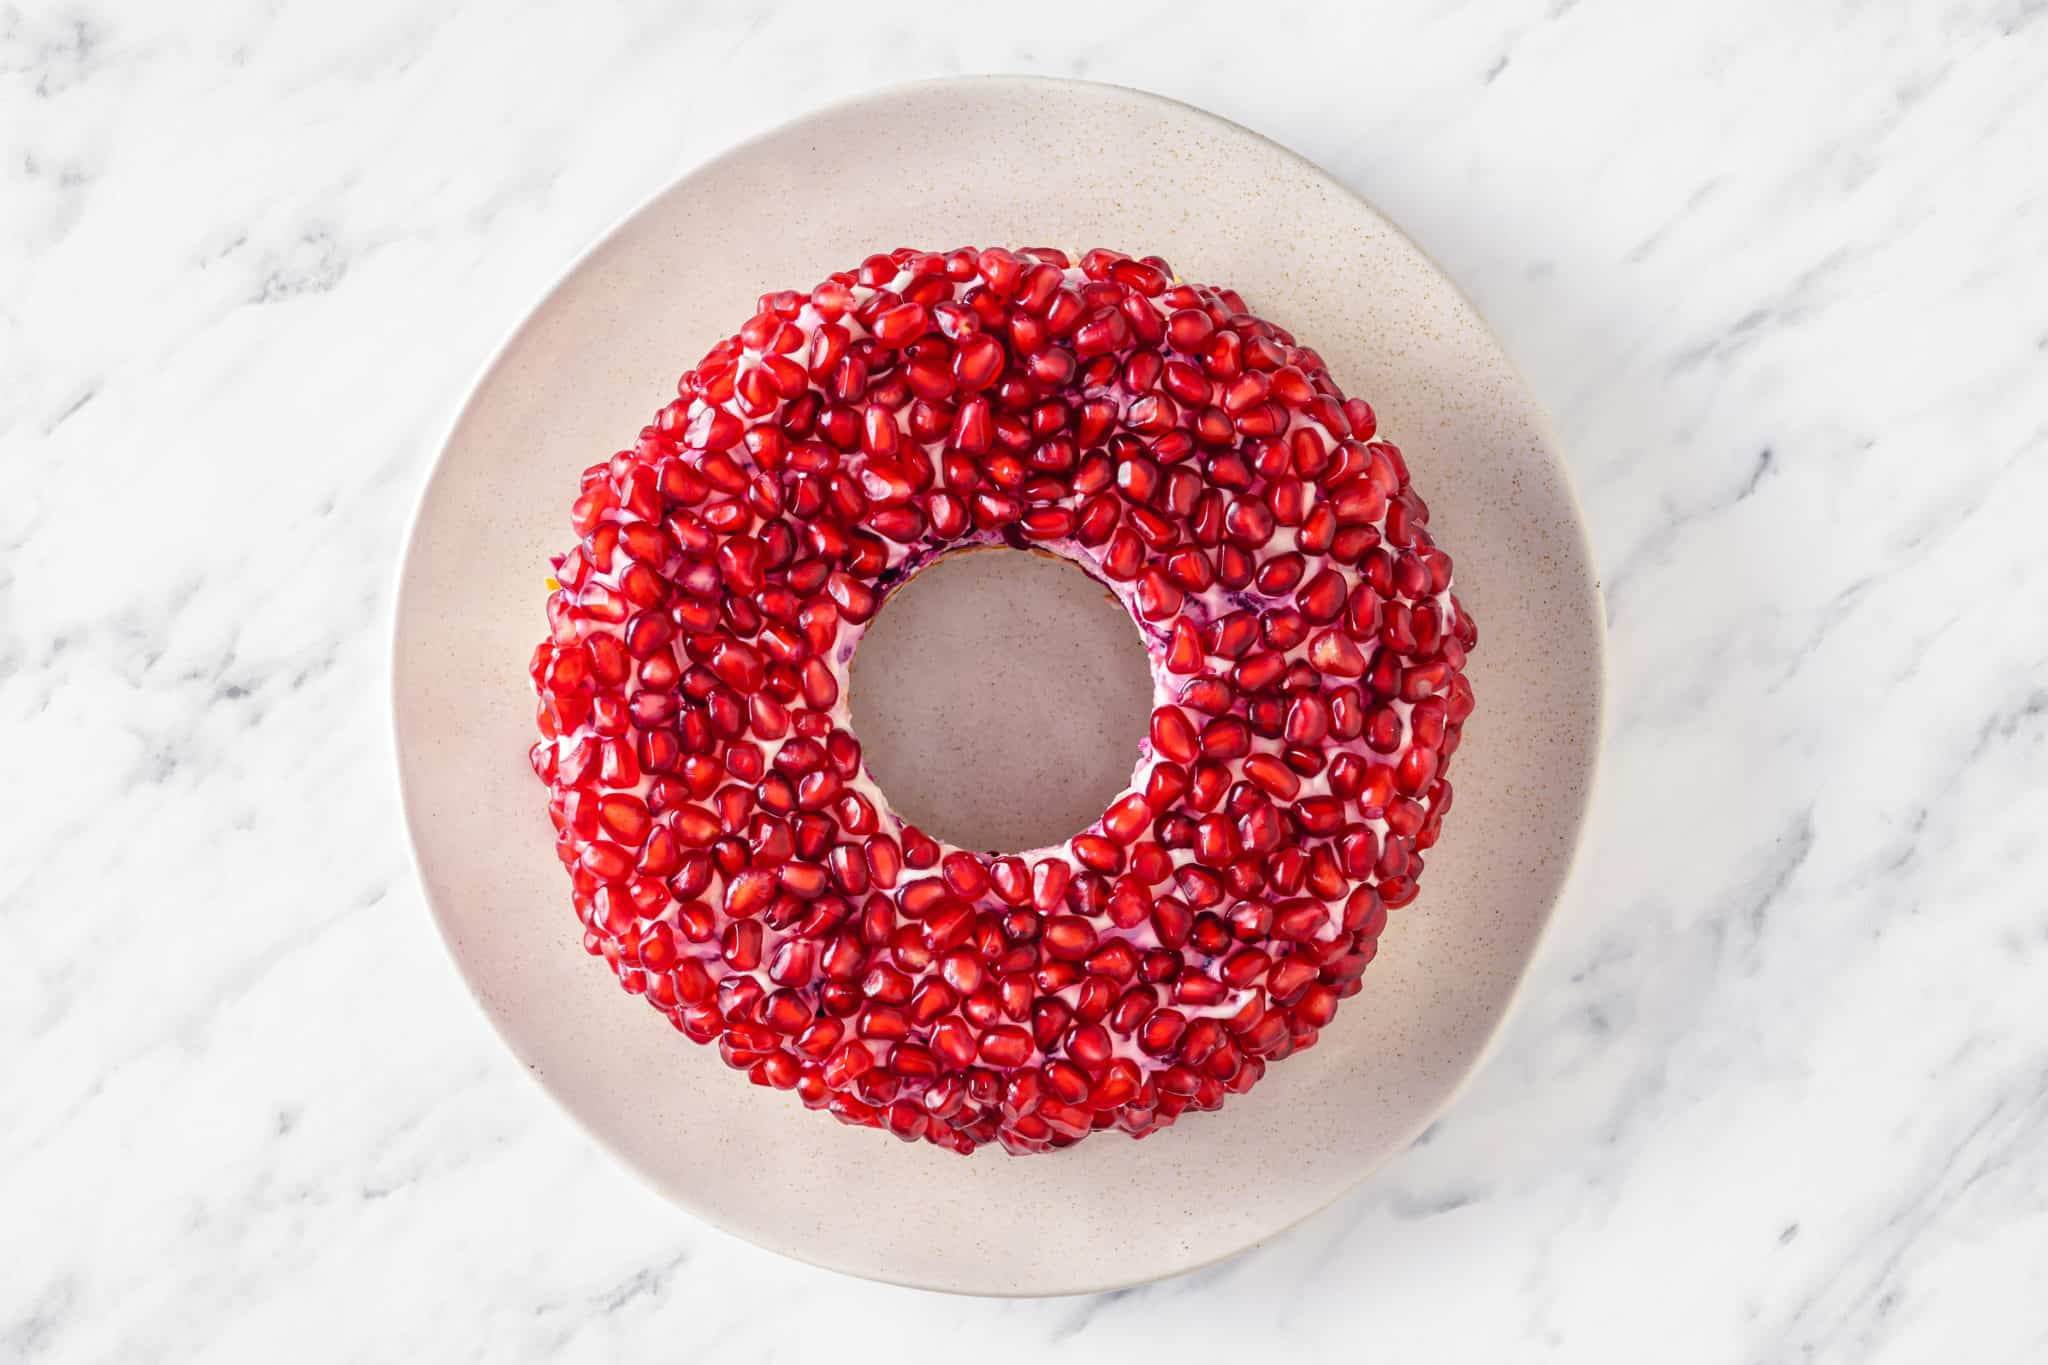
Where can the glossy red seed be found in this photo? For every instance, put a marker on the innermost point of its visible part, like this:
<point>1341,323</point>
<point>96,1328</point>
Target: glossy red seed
<point>1173,736</point>
<point>1126,818</point>
<point>1068,937</point>
<point>1415,771</point>
<point>1006,1046</point>
<point>1098,853</point>
<point>1273,776</point>
<point>1334,653</point>
<point>1049,884</point>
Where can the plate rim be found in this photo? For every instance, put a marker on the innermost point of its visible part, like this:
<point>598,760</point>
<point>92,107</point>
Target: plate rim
<point>1600,717</point>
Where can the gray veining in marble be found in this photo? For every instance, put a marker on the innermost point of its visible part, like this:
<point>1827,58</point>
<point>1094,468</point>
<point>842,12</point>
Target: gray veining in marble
<point>1778,1089</point>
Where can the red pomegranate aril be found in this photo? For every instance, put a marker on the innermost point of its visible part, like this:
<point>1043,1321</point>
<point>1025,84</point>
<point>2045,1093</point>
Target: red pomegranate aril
<point>953,1042</point>
<point>1129,905</point>
<point>1320,815</point>
<point>1383,729</point>
<point>1376,797</point>
<point>1068,937</point>
<point>1050,1015</point>
<point>1256,672</point>
<point>977,362</point>
<point>962,970</point>
<point>1260,831</point>
<point>1090,1046</point>
<point>1006,1046</point>
<point>847,1064</point>
<point>1189,330</point>
<point>1334,653</point>
<point>1173,735</point>
<point>1427,720</point>
<point>1171,921</point>
<point>1158,596</point>
<point>899,326</point>
<point>1206,784</point>
<point>1049,884</point>
<point>1215,842</point>
<point>1398,891</point>
<point>1128,816</point>
<point>1415,771</point>
<point>1250,921</point>
<point>1201,887</point>
<point>1226,737</point>
<point>884,1023</point>
<point>625,817</point>
<point>1161,1032</point>
<point>1180,492</point>
<point>1096,852</point>
<point>924,896</point>
<point>1348,775</point>
<point>1273,776</point>
<point>806,881</point>
<point>848,868</point>
<point>1011,879</point>
<point>948,925</point>
<point>740,945</point>
<point>1300,920</point>
<point>1190,569</point>
<point>1131,1009</point>
<point>1115,959</point>
<point>607,861</point>
<point>1048,523</point>
<point>1244,393</point>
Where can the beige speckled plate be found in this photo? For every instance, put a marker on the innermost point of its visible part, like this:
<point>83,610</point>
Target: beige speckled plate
<point>1020,161</point>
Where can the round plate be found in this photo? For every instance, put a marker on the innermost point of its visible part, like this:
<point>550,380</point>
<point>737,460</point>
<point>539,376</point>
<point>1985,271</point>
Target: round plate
<point>1021,162</point>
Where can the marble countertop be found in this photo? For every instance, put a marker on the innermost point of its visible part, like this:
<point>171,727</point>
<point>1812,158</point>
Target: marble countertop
<point>1778,1089</point>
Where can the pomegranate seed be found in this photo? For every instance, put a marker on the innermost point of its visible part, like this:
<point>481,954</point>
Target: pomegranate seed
<point>625,817</point>
<point>1415,771</point>
<point>1172,734</point>
<point>1273,776</point>
<point>1068,937</point>
<point>1161,1032</point>
<point>1334,653</point>
<point>1006,1046</point>
<point>899,326</point>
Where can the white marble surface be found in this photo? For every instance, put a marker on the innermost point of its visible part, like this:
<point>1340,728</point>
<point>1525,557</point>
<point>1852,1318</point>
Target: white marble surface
<point>1778,1090</point>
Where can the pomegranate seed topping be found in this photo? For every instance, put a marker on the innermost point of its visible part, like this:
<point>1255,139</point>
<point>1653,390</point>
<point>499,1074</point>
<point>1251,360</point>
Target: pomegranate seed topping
<point>726,858</point>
